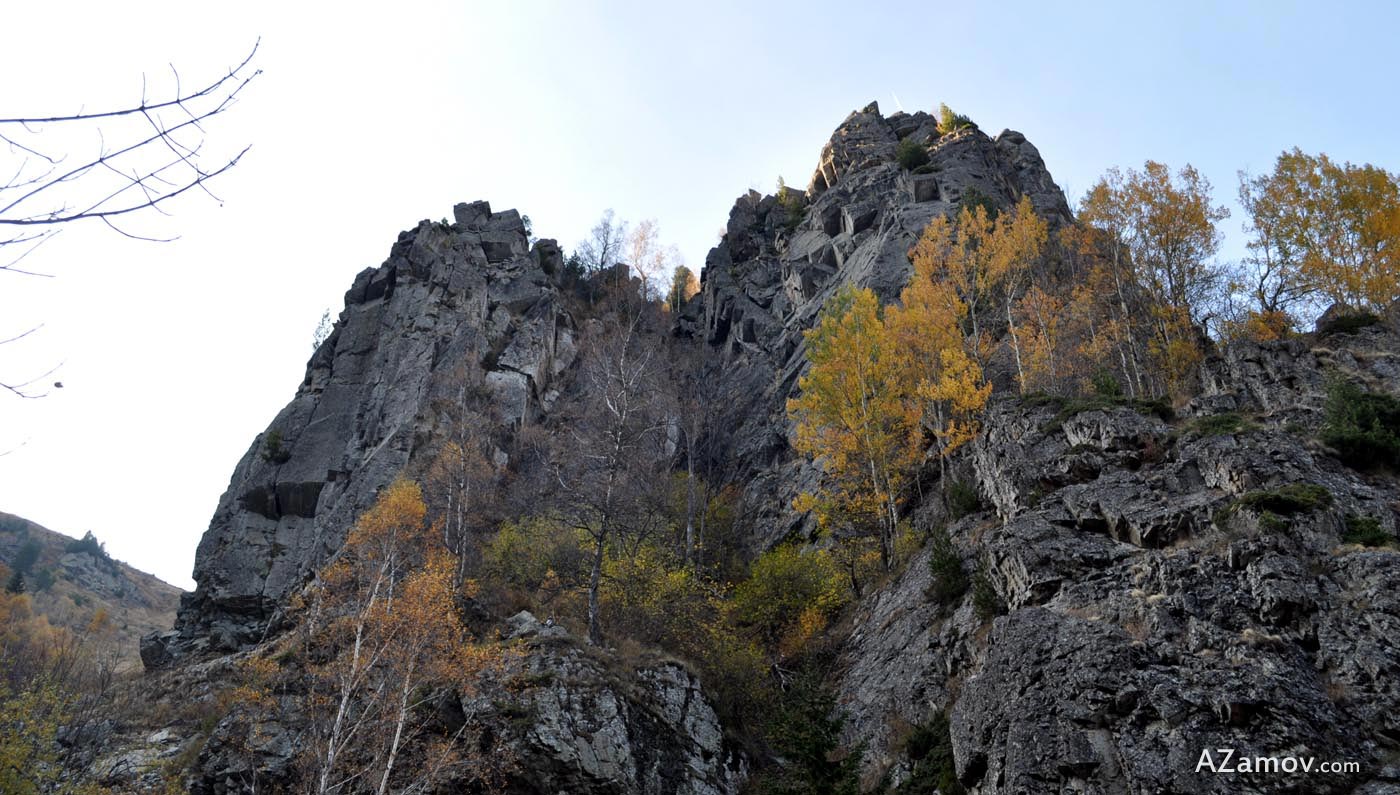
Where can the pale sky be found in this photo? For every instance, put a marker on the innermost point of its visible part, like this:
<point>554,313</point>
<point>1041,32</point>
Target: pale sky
<point>369,117</point>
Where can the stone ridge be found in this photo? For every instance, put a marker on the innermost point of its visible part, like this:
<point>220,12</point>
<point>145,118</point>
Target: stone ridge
<point>1149,615</point>
<point>469,295</point>
<point>779,261</point>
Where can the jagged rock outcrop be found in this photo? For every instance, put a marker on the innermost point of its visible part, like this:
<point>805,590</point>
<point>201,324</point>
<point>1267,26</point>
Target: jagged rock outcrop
<point>555,716</point>
<point>469,296</point>
<point>1152,610</point>
<point>582,721</point>
<point>779,262</point>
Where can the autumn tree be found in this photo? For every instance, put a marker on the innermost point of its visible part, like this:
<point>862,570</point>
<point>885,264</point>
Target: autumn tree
<point>1041,314</point>
<point>383,634</point>
<point>617,445</point>
<point>684,285</point>
<point>986,258</point>
<point>1168,225</point>
<point>1159,231</point>
<point>51,679</point>
<point>934,356</point>
<point>649,258</point>
<point>462,481</point>
<point>1322,229</point>
<point>855,415</point>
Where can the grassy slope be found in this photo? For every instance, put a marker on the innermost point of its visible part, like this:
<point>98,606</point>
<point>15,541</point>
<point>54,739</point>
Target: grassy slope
<point>83,583</point>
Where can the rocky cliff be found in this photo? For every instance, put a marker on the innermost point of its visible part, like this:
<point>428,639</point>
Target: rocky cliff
<point>1167,583</point>
<point>780,260</point>
<point>451,299</point>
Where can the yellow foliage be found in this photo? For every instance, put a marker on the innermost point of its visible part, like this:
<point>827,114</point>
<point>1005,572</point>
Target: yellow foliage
<point>1257,326</point>
<point>1323,228</point>
<point>787,582</point>
<point>1042,318</point>
<point>535,554</point>
<point>855,415</point>
<point>950,278</point>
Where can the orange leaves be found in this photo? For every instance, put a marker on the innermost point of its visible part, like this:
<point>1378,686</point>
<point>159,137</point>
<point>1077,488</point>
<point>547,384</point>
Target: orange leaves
<point>856,415</point>
<point>395,523</point>
<point>1324,228</point>
<point>878,379</point>
<point>387,635</point>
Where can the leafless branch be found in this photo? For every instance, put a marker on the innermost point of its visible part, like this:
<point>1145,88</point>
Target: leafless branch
<point>234,74</point>
<point>155,158</point>
<point>139,185</point>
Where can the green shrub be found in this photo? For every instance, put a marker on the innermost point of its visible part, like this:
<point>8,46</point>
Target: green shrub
<point>1223,424</point>
<point>273,450</point>
<point>793,203</point>
<point>43,580</point>
<point>963,499</point>
<point>985,599</point>
<point>927,168</point>
<point>973,198</point>
<point>787,588</point>
<point>27,555</point>
<point>911,154</point>
<point>1363,427</point>
<point>1366,531</point>
<point>805,734</point>
<point>1106,384</point>
<point>1068,407</point>
<point>89,545</point>
<point>948,121</point>
<point>1348,323</point>
<point>1287,500</point>
<point>1273,508</point>
<point>950,580</point>
<point>930,752</point>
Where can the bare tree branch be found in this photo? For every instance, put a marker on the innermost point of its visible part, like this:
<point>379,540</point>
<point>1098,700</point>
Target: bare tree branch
<point>156,159</point>
<point>153,184</point>
<point>234,74</point>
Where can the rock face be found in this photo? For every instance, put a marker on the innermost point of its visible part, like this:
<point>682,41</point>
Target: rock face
<point>1150,608</point>
<point>577,722</point>
<point>470,296</point>
<point>556,717</point>
<point>779,262</point>
<point>1153,610</point>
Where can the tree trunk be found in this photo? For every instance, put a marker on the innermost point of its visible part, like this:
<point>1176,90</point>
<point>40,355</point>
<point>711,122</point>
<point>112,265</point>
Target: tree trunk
<point>1015,346</point>
<point>400,719</point>
<point>689,503</point>
<point>595,579</point>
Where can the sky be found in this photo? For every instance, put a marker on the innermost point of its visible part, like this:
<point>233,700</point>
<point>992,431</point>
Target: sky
<point>370,117</point>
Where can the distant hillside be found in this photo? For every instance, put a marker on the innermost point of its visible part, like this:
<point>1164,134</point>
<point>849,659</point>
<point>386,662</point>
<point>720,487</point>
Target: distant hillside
<point>70,579</point>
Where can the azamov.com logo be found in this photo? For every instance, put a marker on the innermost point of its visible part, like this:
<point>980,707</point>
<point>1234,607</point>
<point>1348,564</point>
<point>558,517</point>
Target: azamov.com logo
<point>1227,761</point>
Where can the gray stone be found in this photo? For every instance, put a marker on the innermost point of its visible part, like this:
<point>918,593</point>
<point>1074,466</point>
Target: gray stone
<point>924,187</point>
<point>443,301</point>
